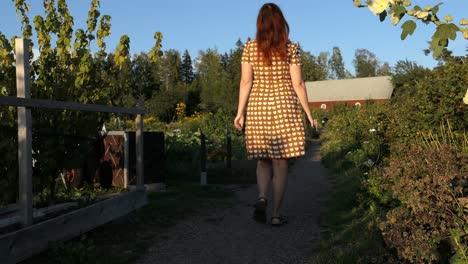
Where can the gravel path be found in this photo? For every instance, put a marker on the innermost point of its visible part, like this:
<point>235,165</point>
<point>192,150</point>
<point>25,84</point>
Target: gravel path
<point>229,235</point>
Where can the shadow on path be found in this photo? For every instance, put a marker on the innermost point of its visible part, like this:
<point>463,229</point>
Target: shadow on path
<point>231,236</point>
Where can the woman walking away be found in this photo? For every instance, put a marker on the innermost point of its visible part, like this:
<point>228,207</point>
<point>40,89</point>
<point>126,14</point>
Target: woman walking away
<point>272,87</point>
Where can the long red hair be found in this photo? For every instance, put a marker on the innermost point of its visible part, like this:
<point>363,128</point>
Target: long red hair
<point>272,33</point>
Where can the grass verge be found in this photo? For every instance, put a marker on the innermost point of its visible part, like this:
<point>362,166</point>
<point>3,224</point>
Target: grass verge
<point>350,232</point>
<point>125,239</point>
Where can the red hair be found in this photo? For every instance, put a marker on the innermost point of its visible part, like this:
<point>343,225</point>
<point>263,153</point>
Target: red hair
<point>272,33</point>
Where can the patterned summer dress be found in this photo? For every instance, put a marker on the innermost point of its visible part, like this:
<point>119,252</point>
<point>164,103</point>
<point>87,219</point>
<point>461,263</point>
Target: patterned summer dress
<point>274,128</point>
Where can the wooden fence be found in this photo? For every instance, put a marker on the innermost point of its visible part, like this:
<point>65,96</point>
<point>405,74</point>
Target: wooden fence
<point>24,103</point>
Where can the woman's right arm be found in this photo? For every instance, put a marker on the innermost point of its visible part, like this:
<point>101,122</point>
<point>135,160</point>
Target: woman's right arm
<point>244,92</point>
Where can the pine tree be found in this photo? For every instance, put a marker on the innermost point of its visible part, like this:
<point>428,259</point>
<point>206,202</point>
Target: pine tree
<point>187,68</point>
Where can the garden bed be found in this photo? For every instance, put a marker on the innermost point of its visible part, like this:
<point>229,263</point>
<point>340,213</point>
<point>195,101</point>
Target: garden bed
<point>23,243</point>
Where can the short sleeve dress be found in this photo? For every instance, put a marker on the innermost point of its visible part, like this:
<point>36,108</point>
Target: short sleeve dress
<point>274,127</point>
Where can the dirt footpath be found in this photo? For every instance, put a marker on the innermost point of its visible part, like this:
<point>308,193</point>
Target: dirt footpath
<point>231,236</point>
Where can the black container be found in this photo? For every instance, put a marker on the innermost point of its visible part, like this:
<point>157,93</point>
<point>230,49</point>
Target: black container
<point>153,157</point>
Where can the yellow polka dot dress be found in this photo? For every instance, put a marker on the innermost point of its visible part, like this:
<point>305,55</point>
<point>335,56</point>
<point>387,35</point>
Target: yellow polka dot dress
<point>273,128</point>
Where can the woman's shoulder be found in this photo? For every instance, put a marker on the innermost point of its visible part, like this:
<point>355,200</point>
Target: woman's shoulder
<point>293,44</point>
<point>292,47</point>
<point>250,45</point>
<point>251,42</point>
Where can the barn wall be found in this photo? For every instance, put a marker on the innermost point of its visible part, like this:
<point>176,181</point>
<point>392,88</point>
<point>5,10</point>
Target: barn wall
<point>330,104</point>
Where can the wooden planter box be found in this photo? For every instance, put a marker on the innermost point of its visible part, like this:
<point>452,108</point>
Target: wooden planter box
<point>24,243</point>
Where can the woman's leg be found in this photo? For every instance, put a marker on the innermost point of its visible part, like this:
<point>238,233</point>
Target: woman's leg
<point>280,182</point>
<point>263,176</point>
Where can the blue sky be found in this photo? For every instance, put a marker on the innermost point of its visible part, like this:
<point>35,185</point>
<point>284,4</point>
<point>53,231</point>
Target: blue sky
<point>198,25</point>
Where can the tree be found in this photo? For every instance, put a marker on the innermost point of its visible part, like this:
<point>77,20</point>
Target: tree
<point>322,62</point>
<point>187,68</point>
<point>170,69</point>
<point>384,69</point>
<point>172,90</point>
<point>233,75</point>
<point>163,104</point>
<point>405,77</point>
<point>144,79</point>
<point>313,68</point>
<point>336,64</point>
<point>212,80</point>
<point>365,63</point>
<point>309,65</point>
<point>192,98</point>
<point>398,9</point>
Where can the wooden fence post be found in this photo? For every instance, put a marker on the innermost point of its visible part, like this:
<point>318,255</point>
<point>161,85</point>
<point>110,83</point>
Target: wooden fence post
<point>24,133</point>
<point>203,178</point>
<point>228,149</point>
<point>127,159</point>
<point>139,149</point>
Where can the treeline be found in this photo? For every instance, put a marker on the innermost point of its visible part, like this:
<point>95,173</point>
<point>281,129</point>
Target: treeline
<point>211,80</point>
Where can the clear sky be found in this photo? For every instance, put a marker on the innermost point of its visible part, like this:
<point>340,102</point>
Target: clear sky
<point>198,25</point>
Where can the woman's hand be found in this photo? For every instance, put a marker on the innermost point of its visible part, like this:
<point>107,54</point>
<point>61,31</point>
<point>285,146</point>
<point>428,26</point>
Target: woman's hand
<point>239,122</point>
<point>311,121</point>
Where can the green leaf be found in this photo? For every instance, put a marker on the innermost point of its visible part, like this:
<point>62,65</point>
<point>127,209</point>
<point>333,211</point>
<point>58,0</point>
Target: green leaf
<point>408,29</point>
<point>397,14</point>
<point>436,46</point>
<point>383,15</point>
<point>398,10</point>
<point>447,31</point>
<point>435,9</point>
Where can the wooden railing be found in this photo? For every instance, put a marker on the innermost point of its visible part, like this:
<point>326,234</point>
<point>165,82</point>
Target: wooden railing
<point>24,103</point>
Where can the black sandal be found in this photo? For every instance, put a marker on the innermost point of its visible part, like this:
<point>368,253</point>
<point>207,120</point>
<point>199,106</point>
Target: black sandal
<point>260,210</point>
<point>278,220</point>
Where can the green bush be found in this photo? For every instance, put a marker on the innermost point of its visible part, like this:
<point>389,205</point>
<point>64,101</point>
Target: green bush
<point>414,179</point>
<point>355,134</point>
<point>429,184</point>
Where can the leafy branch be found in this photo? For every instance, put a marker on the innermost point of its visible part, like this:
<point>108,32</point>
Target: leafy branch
<point>397,9</point>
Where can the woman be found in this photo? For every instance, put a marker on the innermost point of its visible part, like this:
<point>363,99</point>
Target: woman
<point>271,84</point>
